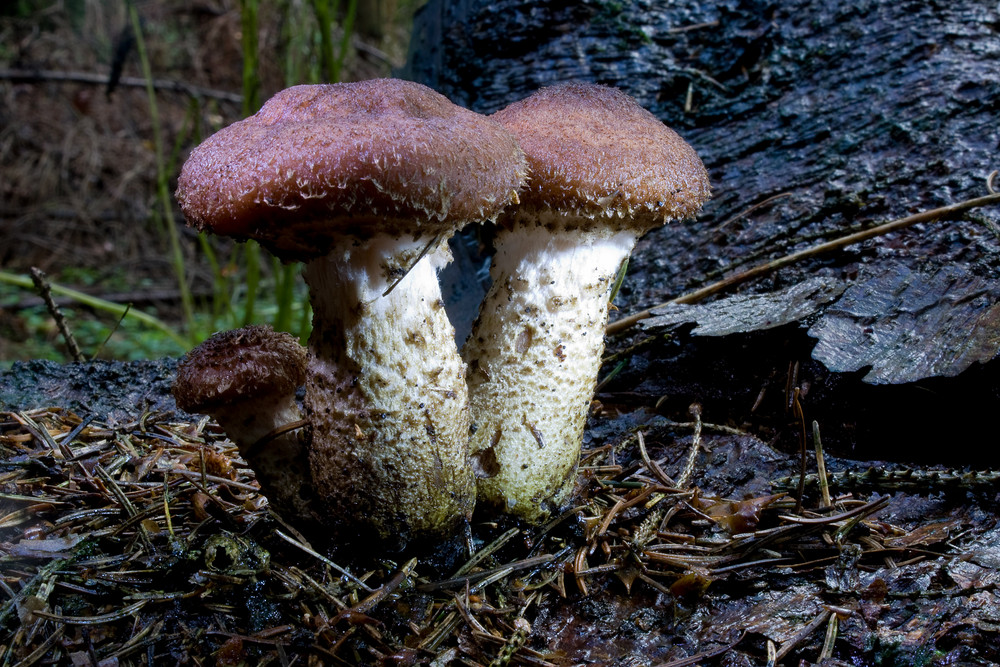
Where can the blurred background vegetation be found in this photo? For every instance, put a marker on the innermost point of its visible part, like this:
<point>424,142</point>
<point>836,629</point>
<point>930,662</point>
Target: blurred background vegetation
<point>88,168</point>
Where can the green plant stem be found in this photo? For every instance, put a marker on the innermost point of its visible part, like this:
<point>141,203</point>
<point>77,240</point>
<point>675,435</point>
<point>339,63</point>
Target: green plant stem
<point>100,304</point>
<point>222,304</point>
<point>162,176</point>
<point>251,102</point>
<point>305,325</point>
<point>286,275</point>
<point>345,40</point>
<point>252,254</point>
<point>324,17</point>
<point>251,76</point>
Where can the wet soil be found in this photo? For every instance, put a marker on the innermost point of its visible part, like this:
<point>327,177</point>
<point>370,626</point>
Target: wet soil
<point>105,389</point>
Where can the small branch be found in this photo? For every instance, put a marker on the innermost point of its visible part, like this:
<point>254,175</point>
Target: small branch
<point>822,248</point>
<point>693,26</point>
<point>651,465</point>
<point>701,657</point>
<point>274,433</point>
<point>323,559</point>
<point>111,333</point>
<point>423,253</point>
<point>383,591</point>
<point>750,209</point>
<point>824,482</point>
<point>812,626</point>
<point>800,415</point>
<point>45,291</point>
<point>477,578</point>
<point>692,456</point>
<point>42,75</point>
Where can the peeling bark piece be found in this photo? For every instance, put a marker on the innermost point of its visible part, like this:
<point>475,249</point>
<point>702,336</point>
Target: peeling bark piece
<point>749,312</point>
<point>910,324</point>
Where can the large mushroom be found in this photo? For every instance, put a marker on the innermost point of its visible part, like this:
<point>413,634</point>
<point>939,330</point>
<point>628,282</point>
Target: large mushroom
<point>602,172</point>
<point>366,182</point>
<point>246,379</point>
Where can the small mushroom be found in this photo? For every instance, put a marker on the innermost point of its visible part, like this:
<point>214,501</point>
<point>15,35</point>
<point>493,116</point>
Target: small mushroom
<point>246,379</point>
<point>366,182</point>
<point>602,171</point>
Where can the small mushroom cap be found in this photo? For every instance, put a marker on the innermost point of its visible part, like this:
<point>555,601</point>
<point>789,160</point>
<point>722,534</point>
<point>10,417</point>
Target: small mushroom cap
<point>594,152</point>
<point>321,161</point>
<point>234,366</point>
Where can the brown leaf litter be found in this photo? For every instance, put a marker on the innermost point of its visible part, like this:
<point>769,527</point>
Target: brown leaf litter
<point>147,542</point>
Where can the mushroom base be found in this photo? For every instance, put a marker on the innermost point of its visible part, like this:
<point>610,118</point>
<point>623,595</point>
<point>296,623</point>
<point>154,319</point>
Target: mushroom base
<point>533,358</point>
<point>386,395</point>
<point>280,464</point>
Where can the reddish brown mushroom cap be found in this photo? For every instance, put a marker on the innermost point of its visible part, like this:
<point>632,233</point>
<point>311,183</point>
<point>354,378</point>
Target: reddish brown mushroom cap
<point>233,366</point>
<point>593,151</point>
<point>321,161</point>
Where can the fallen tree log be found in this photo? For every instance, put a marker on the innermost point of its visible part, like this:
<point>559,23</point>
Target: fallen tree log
<point>834,117</point>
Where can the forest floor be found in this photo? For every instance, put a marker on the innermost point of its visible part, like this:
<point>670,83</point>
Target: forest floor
<point>143,539</point>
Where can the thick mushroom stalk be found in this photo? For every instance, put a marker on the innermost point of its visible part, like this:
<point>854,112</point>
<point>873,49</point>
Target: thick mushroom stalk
<point>386,390</point>
<point>246,380</point>
<point>602,171</point>
<point>533,361</point>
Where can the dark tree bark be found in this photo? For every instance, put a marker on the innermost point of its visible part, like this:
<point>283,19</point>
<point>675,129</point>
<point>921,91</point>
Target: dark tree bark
<point>859,113</point>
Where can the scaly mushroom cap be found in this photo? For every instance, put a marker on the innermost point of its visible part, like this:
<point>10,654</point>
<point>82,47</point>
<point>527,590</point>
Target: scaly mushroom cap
<point>321,161</point>
<point>233,366</point>
<point>593,152</point>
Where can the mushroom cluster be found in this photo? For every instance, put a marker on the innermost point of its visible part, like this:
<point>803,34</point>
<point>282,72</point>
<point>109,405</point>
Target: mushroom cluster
<point>365,182</point>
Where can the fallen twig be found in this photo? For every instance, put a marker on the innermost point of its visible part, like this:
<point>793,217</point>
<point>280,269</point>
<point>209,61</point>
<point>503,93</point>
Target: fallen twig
<point>812,251</point>
<point>695,659</point>
<point>41,75</point>
<point>132,529</point>
<point>692,457</point>
<point>651,465</point>
<point>45,291</point>
<point>803,634</point>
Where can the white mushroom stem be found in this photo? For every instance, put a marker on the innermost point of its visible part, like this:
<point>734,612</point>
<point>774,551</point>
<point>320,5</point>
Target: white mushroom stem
<point>533,357</point>
<point>248,421</point>
<point>280,462</point>
<point>385,391</point>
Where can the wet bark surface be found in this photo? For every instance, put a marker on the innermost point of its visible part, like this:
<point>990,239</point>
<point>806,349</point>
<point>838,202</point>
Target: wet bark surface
<point>104,389</point>
<point>827,119</point>
<point>849,114</point>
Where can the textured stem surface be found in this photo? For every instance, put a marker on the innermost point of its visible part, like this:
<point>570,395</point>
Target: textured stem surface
<point>386,395</point>
<point>533,359</point>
